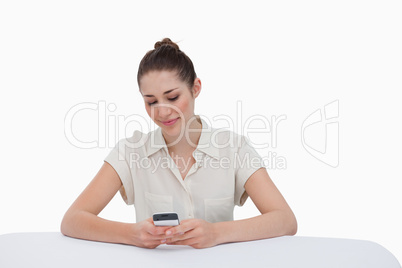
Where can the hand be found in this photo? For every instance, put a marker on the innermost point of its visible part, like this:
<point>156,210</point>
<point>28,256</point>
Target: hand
<point>196,233</point>
<point>146,235</point>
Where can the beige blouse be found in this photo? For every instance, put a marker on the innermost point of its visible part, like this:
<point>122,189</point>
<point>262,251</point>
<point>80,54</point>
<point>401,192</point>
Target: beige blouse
<point>213,185</point>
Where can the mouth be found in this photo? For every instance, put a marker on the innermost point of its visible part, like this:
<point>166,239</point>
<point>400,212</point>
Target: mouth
<point>170,122</point>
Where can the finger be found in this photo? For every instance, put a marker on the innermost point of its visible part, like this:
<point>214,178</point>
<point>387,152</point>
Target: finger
<point>151,244</point>
<point>154,238</point>
<point>157,237</point>
<point>159,230</point>
<point>161,237</point>
<point>184,227</point>
<point>179,237</point>
<point>187,242</point>
<point>156,230</point>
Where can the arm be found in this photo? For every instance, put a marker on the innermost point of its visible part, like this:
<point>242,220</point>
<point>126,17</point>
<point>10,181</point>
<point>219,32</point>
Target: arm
<point>81,220</point>
<point>276,219</point>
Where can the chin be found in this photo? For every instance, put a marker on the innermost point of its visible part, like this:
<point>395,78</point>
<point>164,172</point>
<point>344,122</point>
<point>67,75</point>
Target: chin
<point>171,131</point>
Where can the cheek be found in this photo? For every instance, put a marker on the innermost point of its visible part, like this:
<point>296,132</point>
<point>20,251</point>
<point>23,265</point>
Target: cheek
<point>183,105</point>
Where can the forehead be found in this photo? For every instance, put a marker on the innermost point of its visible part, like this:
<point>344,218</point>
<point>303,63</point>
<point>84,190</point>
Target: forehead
<point>157,82</point>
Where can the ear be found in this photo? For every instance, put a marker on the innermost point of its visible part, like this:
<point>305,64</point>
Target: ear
<point>197,87</point>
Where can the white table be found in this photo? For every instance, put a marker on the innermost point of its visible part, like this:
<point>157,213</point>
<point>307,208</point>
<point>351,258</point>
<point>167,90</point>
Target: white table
<point>55,250</point>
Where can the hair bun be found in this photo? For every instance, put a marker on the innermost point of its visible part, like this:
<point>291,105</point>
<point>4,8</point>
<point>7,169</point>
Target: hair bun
<point>166,41</point>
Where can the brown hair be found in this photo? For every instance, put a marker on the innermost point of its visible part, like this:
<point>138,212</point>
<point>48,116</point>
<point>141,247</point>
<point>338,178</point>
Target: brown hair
<point>168,56</point>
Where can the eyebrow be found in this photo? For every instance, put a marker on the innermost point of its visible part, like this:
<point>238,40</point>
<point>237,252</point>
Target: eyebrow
<point>164,93</point>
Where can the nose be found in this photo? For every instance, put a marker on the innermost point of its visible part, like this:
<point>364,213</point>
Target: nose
<point>164,112</point>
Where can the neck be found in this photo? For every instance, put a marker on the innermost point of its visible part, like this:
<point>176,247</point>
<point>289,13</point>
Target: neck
<point>190,139</point>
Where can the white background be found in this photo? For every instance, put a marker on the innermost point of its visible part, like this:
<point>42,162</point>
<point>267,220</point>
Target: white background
<point>279,58</point>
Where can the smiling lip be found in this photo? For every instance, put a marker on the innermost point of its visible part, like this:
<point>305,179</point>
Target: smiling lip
<point>170,122</point>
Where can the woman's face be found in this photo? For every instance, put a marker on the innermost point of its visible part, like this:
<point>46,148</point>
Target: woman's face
<point>168,100</point>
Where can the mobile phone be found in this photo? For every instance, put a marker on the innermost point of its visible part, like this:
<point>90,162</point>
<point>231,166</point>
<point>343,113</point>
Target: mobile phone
<point>166,219</point>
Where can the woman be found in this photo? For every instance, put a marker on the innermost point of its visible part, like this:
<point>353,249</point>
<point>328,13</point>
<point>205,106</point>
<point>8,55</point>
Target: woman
<point>183,166</point>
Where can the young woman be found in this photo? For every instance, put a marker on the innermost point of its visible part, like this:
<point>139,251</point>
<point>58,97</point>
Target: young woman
<point>184,166</point>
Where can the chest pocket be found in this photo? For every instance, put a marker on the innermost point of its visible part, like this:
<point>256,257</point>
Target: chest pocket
<point>158,203</point>
<point>217,210</point>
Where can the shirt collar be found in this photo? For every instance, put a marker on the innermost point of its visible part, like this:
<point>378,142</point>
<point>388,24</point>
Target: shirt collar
<point>157,142</point>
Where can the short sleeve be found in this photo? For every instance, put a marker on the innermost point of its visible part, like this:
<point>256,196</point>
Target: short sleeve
<point>118,160</point>
<point>247,161</point>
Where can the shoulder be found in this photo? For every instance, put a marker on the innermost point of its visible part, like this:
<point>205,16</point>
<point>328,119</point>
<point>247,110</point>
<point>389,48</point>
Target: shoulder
<point>224,138</point>
<point>137,137</point>
<point>223,135</point>
<point>134,143</point>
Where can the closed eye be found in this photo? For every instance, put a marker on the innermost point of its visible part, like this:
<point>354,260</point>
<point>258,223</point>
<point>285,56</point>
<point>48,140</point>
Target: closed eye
<point>171,99</point>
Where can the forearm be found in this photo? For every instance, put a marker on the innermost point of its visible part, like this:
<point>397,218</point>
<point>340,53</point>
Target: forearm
<point>272,224</point>
<point>84,225</point>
